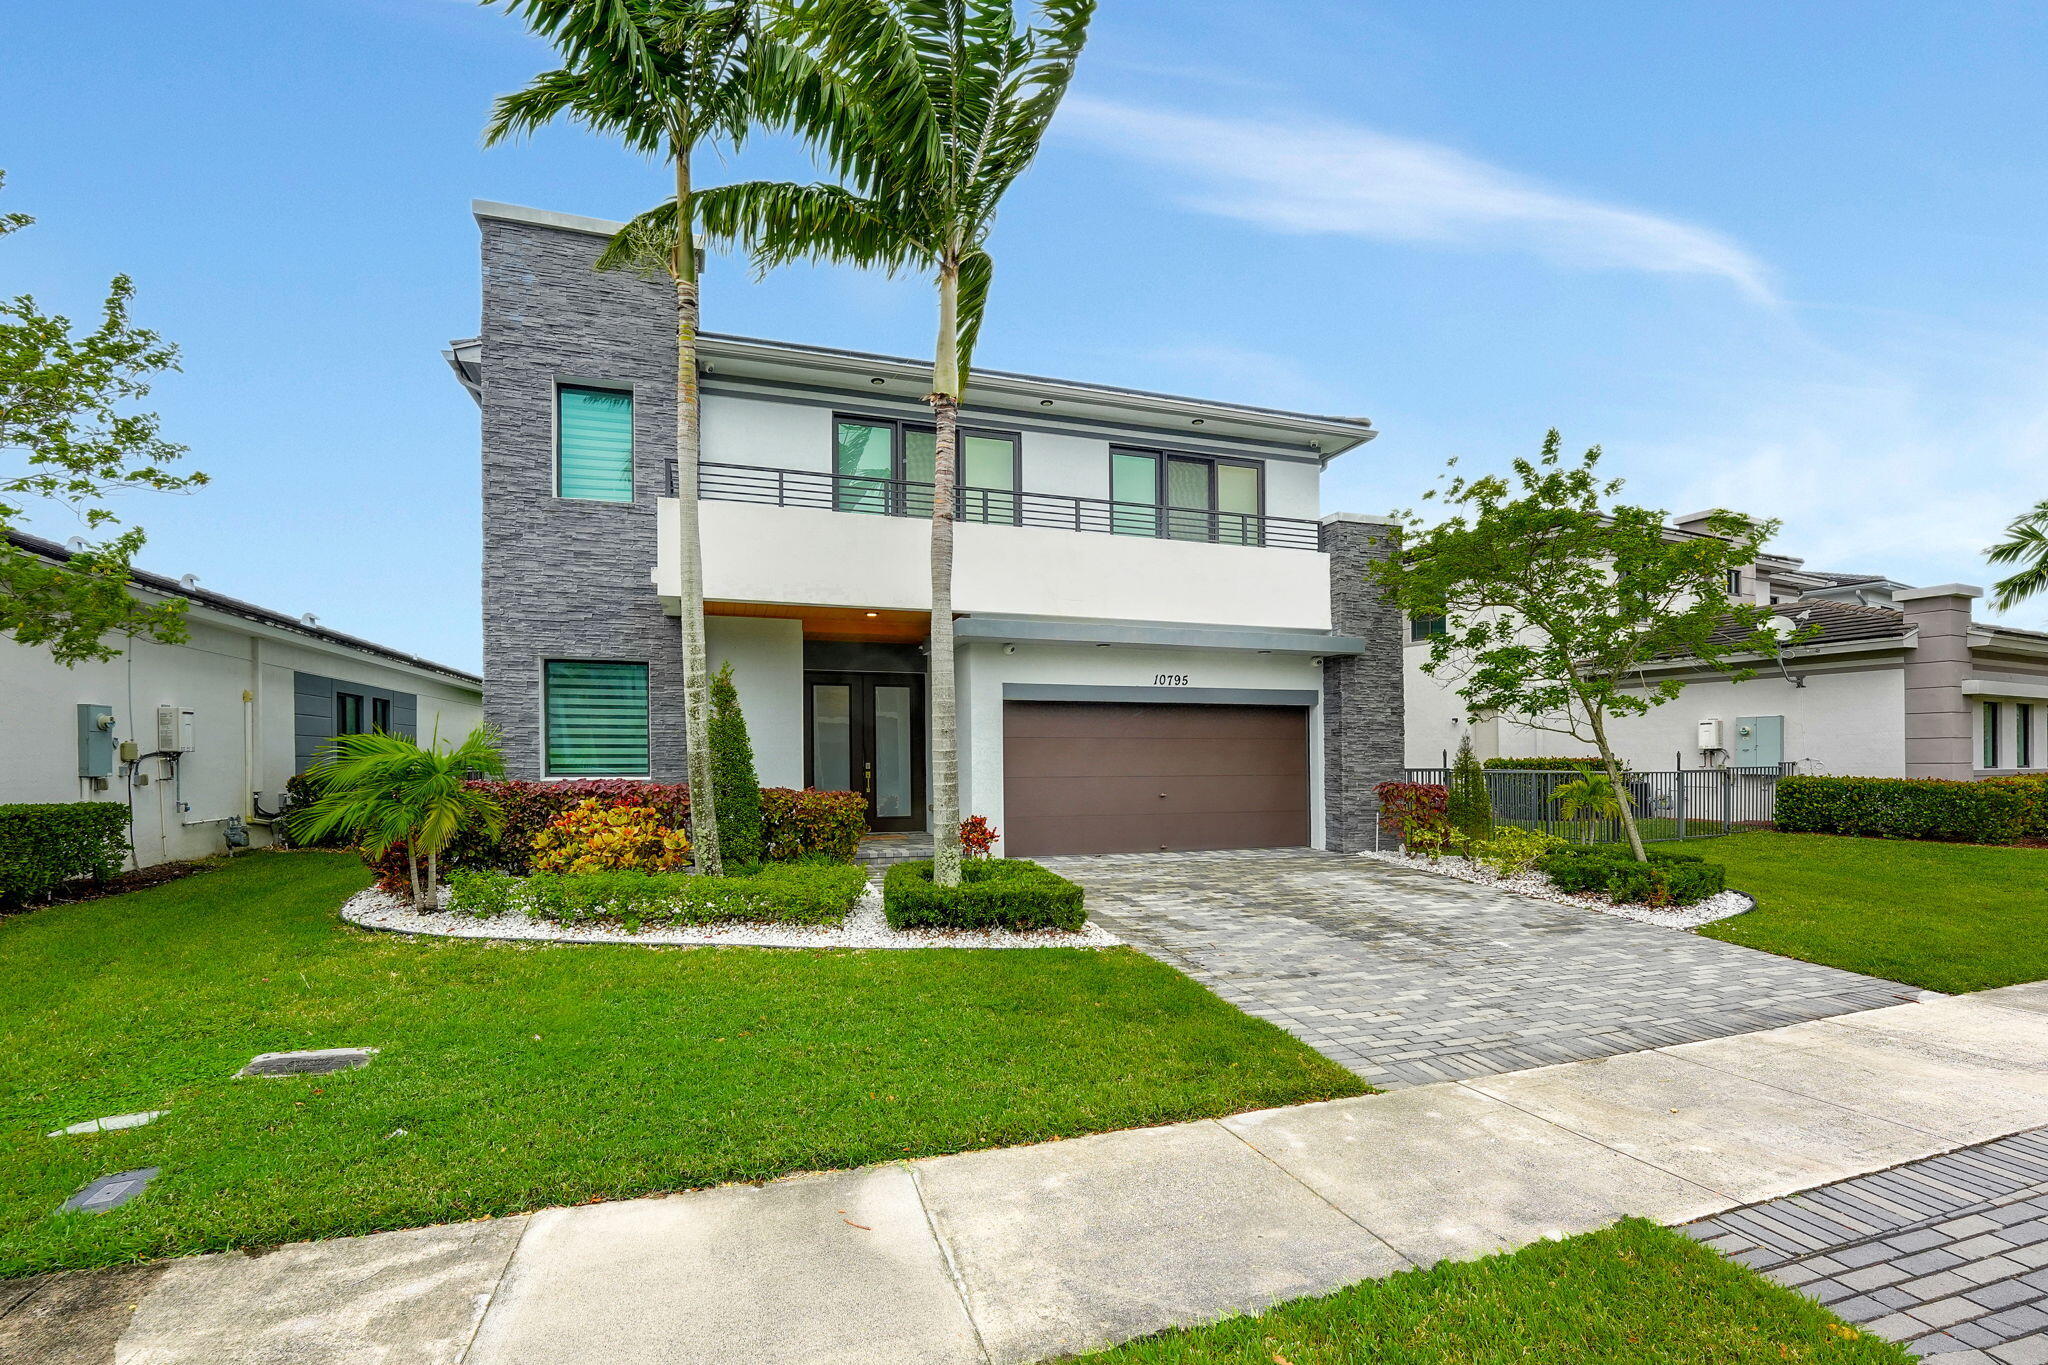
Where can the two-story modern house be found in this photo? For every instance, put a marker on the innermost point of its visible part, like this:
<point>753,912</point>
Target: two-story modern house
<point>1163,643</point>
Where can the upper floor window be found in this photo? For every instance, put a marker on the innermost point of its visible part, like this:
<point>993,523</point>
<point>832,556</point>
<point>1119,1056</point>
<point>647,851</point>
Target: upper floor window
<point>595,718</point>
<point>1735,583</point>
<point>380,715</point>
<point>883,465</point>
<point>1427,627</point>
<point>1186,497</point>
<point>593,444</point>
<point>348,713</point>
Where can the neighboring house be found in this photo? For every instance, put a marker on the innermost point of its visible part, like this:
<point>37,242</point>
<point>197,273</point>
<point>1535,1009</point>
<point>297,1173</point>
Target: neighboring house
<point>1895,682</point>
<point>1162,642</point>
<point>198,736</point>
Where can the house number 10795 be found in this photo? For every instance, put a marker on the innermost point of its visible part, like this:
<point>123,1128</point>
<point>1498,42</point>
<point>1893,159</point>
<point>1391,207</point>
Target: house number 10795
<point>1169,680</point>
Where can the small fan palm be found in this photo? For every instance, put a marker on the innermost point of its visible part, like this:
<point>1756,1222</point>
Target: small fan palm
<point>2026,542</point>
<point>1590,797</point>
<point>928,111</point>
<point>382,790</point>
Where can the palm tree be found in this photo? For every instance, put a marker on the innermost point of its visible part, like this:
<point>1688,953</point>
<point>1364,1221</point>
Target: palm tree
<point>2026,542</point>
<point>662,76</point>
<point>382,790</point>
<point>1590,796</point>
<point>928,111</point>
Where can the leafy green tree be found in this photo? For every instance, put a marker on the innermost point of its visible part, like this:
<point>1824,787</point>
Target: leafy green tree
<point>1556,598</point>
<point>663,77</point>
<point>382,790</point>
<point>1467,804</point>
<point>928,113</point>
<point>67,437</point>
<point>1592,797</point>
<point>2026,544</point>
<point>732,772</point>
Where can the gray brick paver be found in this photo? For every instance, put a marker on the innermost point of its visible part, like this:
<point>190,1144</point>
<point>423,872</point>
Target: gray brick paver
<point>1416,978</point>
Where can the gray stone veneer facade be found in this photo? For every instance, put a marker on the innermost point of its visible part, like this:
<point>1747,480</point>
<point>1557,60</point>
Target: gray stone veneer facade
<point>568,579</point>
<point>1362,708</point>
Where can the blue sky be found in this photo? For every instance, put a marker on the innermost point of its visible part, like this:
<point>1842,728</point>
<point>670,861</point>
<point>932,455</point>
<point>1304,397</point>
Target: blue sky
<point>1787,258</point>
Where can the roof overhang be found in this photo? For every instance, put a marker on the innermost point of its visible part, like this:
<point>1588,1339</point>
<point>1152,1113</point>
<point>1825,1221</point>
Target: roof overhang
<point>1047,630</point>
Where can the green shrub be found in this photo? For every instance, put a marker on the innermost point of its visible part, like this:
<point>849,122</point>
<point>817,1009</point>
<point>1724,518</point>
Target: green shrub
<point>767,893</point>
<point>1466,802</point>
<point>812,824</point>
<point>44,846</point>
<point>1667,879</point>
<point>1549,764</point>
<point>1513,849</point>
<point>299,793</point>
<point>735,785</point>
<point>994,893</point>
<point>1994,812</point>
<point>2033,793</point>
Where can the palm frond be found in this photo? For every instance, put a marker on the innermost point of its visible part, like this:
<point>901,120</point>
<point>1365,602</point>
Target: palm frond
<point>2026,543</point>
<point>977,272</point>
<point>777,223</point>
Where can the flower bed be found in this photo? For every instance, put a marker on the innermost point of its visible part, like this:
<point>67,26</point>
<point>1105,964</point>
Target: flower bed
<point>1537,886</point>
<point>994,893</point>
<point>789,893</point>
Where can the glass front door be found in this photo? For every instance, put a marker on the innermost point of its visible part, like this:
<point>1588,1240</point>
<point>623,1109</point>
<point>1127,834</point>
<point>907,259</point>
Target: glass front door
<point>865,733</point>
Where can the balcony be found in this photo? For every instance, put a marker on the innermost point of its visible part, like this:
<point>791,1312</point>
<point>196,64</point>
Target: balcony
<point>996,507</point>
<point>804,538</point>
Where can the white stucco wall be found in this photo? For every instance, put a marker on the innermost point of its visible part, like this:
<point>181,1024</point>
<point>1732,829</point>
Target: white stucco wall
<point>984,667</point>
<point>209,673</point>
<point>767,657</point>
<point>1849,724</point>
<point>754,552</point>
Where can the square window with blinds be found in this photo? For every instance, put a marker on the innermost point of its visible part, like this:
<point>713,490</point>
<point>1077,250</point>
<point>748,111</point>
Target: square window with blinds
<point>596,719</point>
<point>593,444</point>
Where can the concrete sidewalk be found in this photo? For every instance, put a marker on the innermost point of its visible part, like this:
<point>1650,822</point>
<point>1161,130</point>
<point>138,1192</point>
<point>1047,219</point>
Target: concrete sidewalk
<point>1015,1255</point>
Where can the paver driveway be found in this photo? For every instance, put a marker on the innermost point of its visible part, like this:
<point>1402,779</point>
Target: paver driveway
<point>1407,977</point>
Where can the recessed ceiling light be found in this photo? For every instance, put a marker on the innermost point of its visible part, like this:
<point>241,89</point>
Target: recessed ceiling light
<point>874,613</point>
<point>1045,402</point>
<point>1198,421</point>
<point>877,381</point>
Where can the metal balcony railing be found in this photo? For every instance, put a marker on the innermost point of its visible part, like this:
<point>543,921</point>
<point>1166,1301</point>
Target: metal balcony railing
<point>995,506</point>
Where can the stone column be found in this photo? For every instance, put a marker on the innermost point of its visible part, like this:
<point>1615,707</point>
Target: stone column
<point>1362,709</point>
<point>1938,731</point>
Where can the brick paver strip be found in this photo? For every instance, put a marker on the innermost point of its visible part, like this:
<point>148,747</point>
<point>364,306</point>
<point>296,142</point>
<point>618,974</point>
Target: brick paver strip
<point>1410,978</point>
<point>1939,1249</point>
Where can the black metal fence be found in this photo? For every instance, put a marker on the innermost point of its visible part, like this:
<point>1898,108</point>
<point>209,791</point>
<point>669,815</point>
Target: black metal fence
<point>997,506</point>
<point>1690,803</point>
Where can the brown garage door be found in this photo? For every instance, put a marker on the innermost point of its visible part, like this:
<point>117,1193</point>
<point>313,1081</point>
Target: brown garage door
<point>1098,777</point>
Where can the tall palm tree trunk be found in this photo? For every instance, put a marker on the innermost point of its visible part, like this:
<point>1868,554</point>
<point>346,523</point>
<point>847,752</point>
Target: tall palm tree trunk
<point>690,548</point>
<point>945,748</point>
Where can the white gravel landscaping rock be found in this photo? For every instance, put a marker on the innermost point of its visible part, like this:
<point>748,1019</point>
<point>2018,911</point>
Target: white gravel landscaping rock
<point>864,928</point>
<point>1536,886</point>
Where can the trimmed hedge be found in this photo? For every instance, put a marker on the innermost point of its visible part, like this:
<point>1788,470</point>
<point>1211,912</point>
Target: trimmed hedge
<point>772,893</point>
<point>1552,764</point>
<point>994,893</point>
<point>2033,792</point>
<point>1994,812</point>
<point>1667,879</point>
<point>43,846</point>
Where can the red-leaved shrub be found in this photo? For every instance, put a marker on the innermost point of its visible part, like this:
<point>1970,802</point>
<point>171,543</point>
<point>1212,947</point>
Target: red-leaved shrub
<point>1414,813</point>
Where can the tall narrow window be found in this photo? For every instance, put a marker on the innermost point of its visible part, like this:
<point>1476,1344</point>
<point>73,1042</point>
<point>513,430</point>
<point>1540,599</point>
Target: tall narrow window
<point>1735,583</point>
<point>596,717</point>
<point>348,713</point>
<point>1134,491</point>
<point>2023,735</point>
<point>863,463</point>
<point>988,477</point>
<point>1991,710</point>
<point>380,715</point>
<point>593,444</point>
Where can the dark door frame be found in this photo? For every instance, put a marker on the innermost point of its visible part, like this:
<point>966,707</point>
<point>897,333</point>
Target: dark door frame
<point>861,699</point>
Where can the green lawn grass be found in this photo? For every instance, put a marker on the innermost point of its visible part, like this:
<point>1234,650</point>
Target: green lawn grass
<point>1947,917</point>
<point>515,1076</point>
<point>1634,1294</point>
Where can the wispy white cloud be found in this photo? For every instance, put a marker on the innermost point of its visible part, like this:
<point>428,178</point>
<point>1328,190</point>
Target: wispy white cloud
<point>1308,176</point>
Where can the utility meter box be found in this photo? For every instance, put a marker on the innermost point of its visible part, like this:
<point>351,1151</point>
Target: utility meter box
<point>173,729</point>
<point>1710,734</point>
<point>95,740</point>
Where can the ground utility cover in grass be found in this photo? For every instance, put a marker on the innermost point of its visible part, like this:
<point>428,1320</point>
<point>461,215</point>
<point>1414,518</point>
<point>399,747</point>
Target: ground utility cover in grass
<point>514,1076</point>
<point>1634,1294</point>
<point>1947,917</point>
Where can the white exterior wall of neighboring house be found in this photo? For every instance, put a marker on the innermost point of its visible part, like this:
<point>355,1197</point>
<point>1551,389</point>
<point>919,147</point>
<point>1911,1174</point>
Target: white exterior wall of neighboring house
<point>986,668</point>
<point>238,746</point>
<point>1842,724</point>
